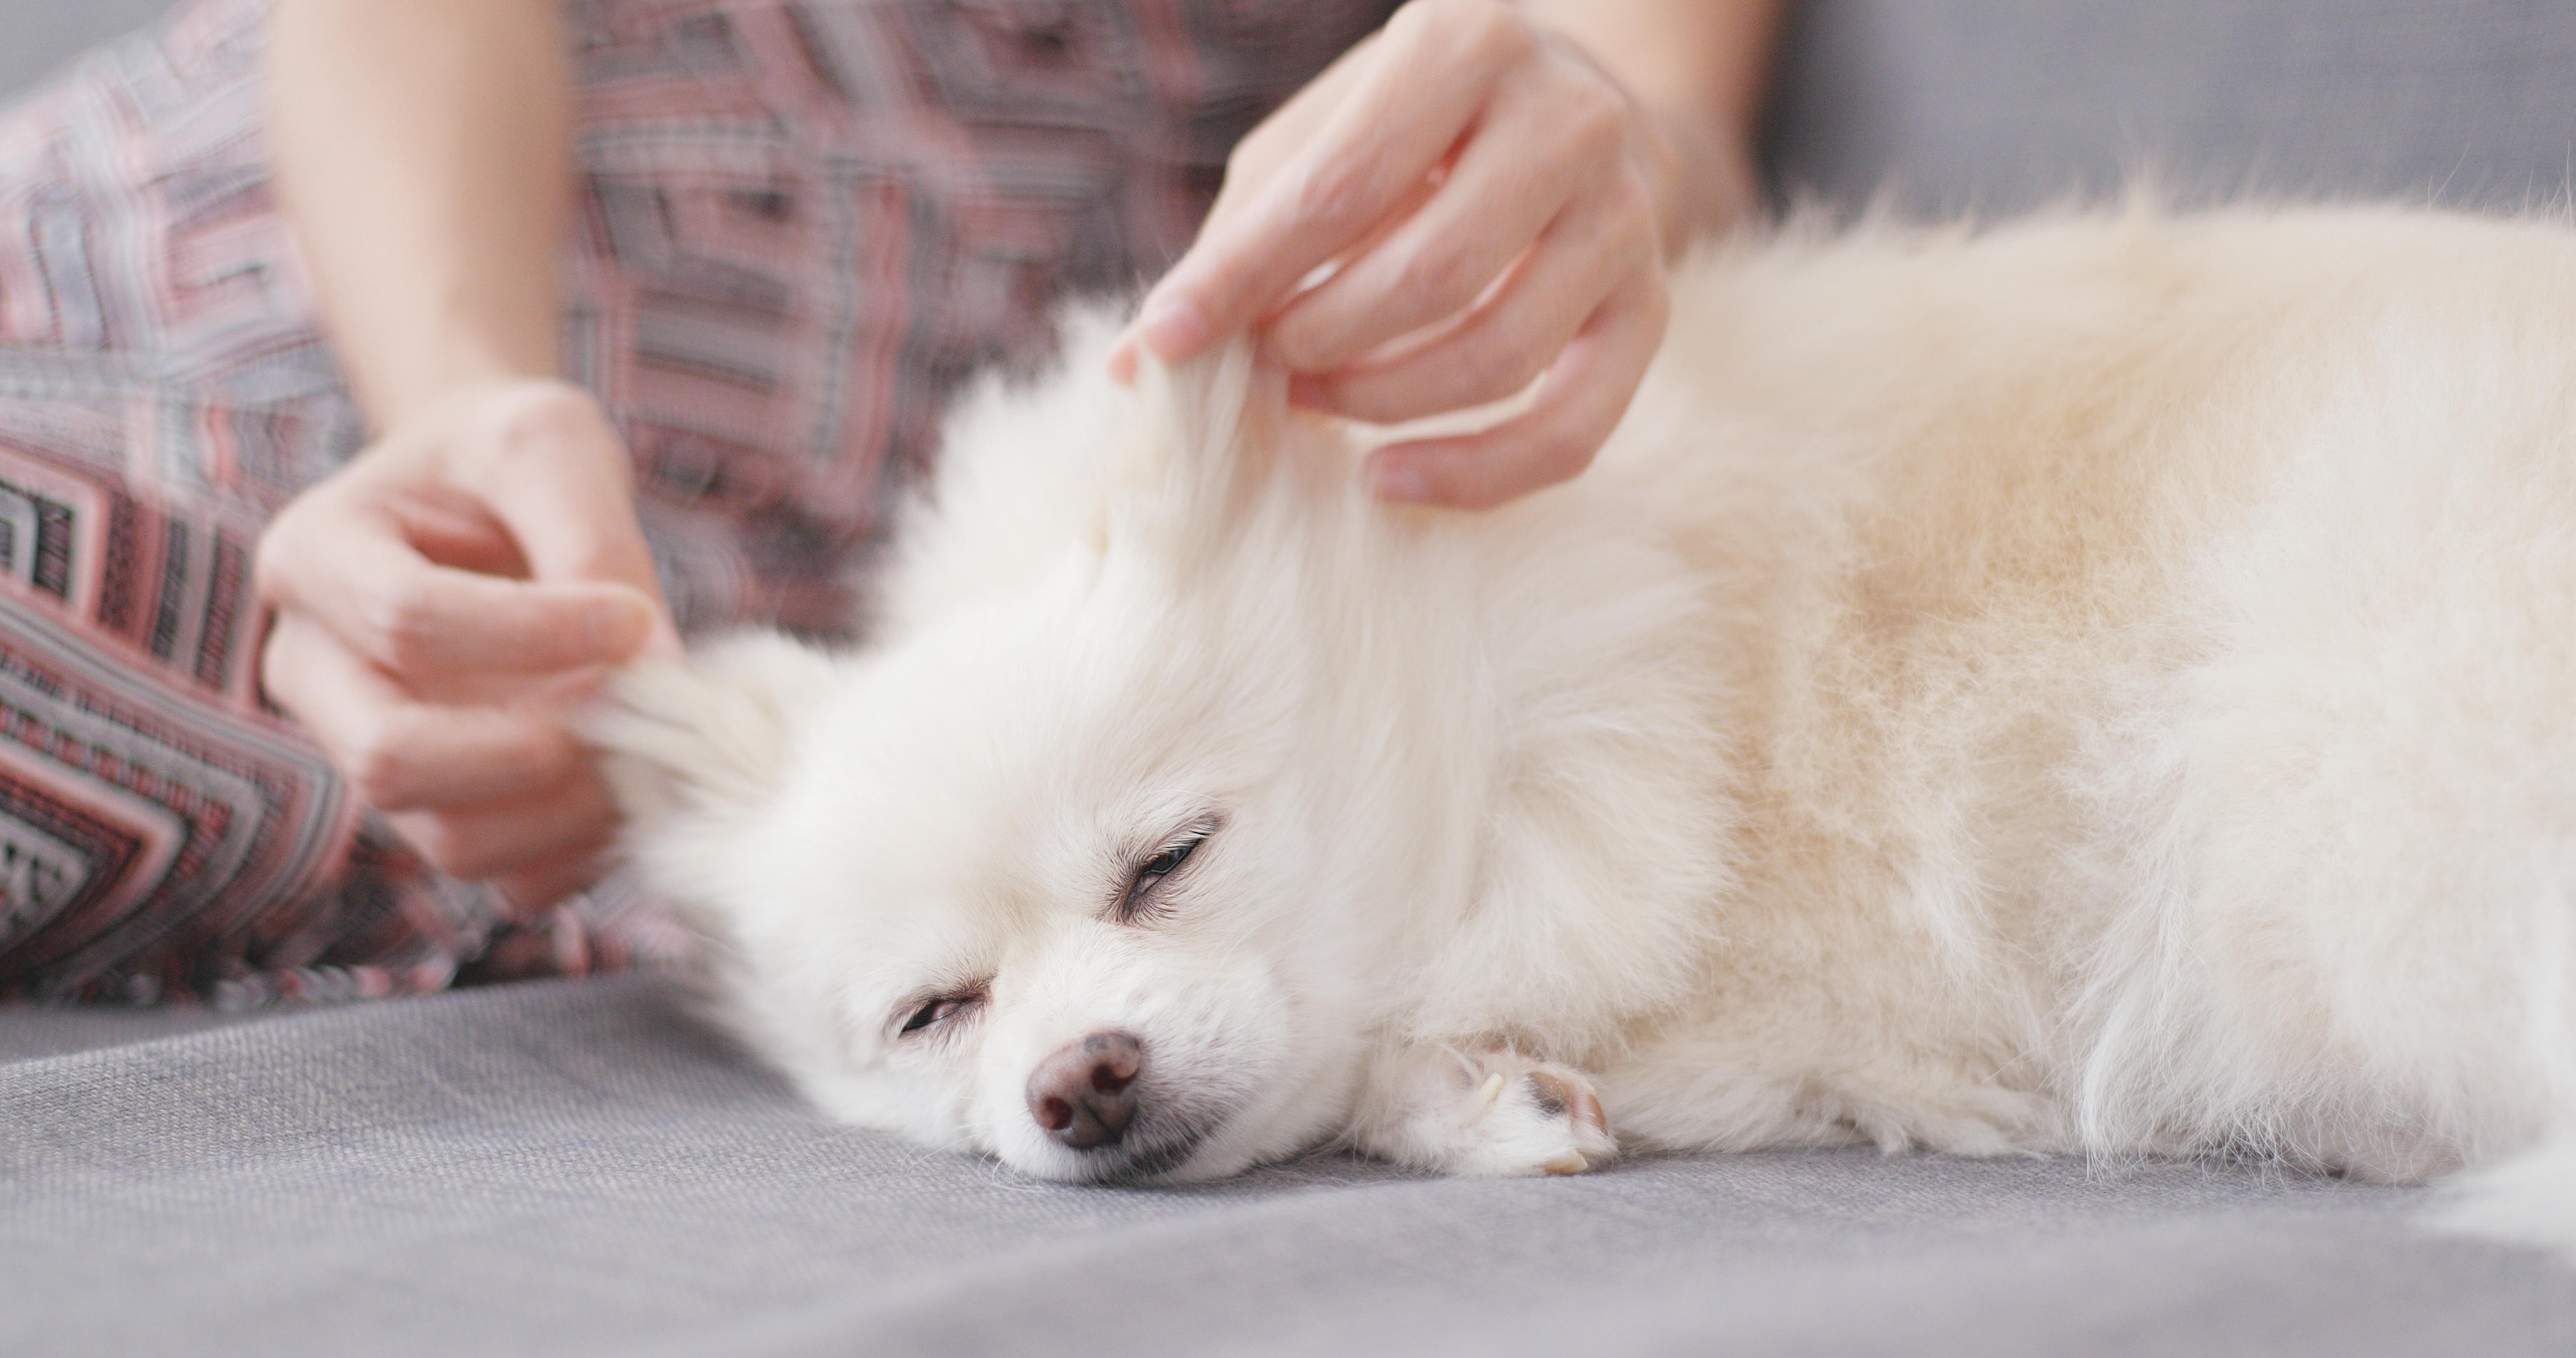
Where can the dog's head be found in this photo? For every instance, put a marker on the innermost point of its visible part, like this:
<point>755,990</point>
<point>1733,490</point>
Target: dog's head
<point>1040,872</point>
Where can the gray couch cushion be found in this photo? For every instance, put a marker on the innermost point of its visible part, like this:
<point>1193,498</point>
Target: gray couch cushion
<point>578,1168</point>
<point>1998,105</point>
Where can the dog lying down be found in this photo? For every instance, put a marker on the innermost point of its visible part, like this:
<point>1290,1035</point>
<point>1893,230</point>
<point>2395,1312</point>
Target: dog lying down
<point>2102,685</point>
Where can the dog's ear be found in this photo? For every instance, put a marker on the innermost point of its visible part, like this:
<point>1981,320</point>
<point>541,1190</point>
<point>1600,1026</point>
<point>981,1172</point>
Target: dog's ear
<point>1213,429</point>
<point>708,734</point>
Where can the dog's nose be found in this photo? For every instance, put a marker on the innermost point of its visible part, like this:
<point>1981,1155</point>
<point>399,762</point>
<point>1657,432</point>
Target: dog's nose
<point>1085,1095</point>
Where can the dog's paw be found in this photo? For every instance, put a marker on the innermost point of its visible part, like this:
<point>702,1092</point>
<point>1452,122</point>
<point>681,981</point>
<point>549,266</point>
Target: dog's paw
<point>1492,1112</point>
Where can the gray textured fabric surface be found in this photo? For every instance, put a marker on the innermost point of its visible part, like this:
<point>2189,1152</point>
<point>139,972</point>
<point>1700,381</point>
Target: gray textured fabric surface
<point>38,35</point>
<point>1997,105</point>
<point>580,1169</point>
<point>27,1033</point>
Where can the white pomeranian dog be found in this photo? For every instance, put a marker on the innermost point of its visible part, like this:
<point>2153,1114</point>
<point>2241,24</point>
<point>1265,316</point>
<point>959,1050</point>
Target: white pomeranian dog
<point>2102,685</point>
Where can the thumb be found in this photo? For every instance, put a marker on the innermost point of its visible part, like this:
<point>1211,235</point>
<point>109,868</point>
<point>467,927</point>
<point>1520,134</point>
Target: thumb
<point>566,497</point>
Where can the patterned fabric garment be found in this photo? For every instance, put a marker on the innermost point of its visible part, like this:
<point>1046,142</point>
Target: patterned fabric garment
<point>801,225</point>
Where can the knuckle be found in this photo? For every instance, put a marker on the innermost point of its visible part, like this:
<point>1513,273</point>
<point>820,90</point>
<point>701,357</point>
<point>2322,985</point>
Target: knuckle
<point>1331,194</point>
<point>1422,19</point>
<point>526,760</point>
<point>1633,204</point>
<point>1598,110</point>
<point>457,845</point>
<point>1591,124</point>
<point>535,889</point>
<point>1657,304</point>
<point>270,558</point>
<point>278,673</point>
<point>380,768</point>
<point>1251,160</point>
<point>1488,28</point>
<point>446,845</point>
<point>407,624</point>
<point>1496,370</point>
<point>305,531</point>
<point>1302,344</point>
<point>1434,281</point>
<point>1513,37</point>
<point>613,559</point>
<point>1648,299</point>
<point>1377,400</point>
<point>1566,458</point>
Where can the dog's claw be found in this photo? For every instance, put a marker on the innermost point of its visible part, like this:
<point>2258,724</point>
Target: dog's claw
<point>1558,1095</point>
<point>1509,1114</point>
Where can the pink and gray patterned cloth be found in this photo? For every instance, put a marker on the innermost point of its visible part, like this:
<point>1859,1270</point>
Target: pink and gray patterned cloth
<point>801,224</point>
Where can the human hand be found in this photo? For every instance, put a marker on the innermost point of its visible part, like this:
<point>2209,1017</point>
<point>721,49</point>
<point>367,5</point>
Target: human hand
<point>441,603</point>
<point>1497,208</point>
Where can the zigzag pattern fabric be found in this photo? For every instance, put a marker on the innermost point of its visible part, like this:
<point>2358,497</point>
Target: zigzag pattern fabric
<point>801,226</point>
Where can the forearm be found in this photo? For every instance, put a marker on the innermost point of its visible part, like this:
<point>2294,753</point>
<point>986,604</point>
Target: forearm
<point>1700,69</point>
<point>423,158</point>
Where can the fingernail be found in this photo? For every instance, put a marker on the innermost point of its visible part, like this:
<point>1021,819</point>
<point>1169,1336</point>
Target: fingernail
<point>1172,327</point>
<point>1399,481</point>
<point>618,626</point>
<point>663,644</point>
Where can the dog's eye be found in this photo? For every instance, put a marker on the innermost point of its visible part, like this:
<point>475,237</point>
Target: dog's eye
<point>1167,862</point>
<point>1150,874</point>
<point>938,1011</point>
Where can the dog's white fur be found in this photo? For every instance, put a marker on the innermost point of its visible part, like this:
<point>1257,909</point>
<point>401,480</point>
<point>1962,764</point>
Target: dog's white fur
<point>2106,684</point>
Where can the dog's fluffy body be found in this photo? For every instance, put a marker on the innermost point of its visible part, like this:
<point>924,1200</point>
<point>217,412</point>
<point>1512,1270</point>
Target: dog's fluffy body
<point>2103,684</point>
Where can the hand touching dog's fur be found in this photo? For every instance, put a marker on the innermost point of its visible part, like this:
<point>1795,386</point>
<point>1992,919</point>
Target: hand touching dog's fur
<point>2107,684</point>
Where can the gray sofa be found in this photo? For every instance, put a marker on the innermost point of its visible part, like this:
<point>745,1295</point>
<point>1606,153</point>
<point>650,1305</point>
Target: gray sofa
<point>580,1168</point>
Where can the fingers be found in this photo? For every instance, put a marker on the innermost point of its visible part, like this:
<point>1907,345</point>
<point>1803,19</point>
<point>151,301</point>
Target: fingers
<point>559,482</point>
<point>1577,405</point>
<point>414,618</point>
<point>439,598</point>
<point>1543,142</point>
<point>531,890</point>
<point>408,553</point>
<point>398,752</point>
<point>553,469</point>
<point>1475,187</point>
<point>480,792</point>
<point>455,531</point>
<point>1503,344</point>
<point>1431,72</point>
<point>539,837</point>
<point>1127,351</point>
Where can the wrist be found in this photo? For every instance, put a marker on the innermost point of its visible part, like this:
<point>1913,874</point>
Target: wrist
<point>1701,175</point>
<point>1693,72</point>
<point>442,367</point>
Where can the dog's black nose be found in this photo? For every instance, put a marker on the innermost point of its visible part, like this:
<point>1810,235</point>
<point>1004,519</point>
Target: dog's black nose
<point>1085,1095</point>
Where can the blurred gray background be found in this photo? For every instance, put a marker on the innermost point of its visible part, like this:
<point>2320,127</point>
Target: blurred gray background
<point>1990,106</point>
<point>38,35</point>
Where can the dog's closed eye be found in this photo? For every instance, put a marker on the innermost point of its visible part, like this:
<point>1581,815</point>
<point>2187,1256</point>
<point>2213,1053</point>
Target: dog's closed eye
<point>939,1010</point>
<point>1140,902</point>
